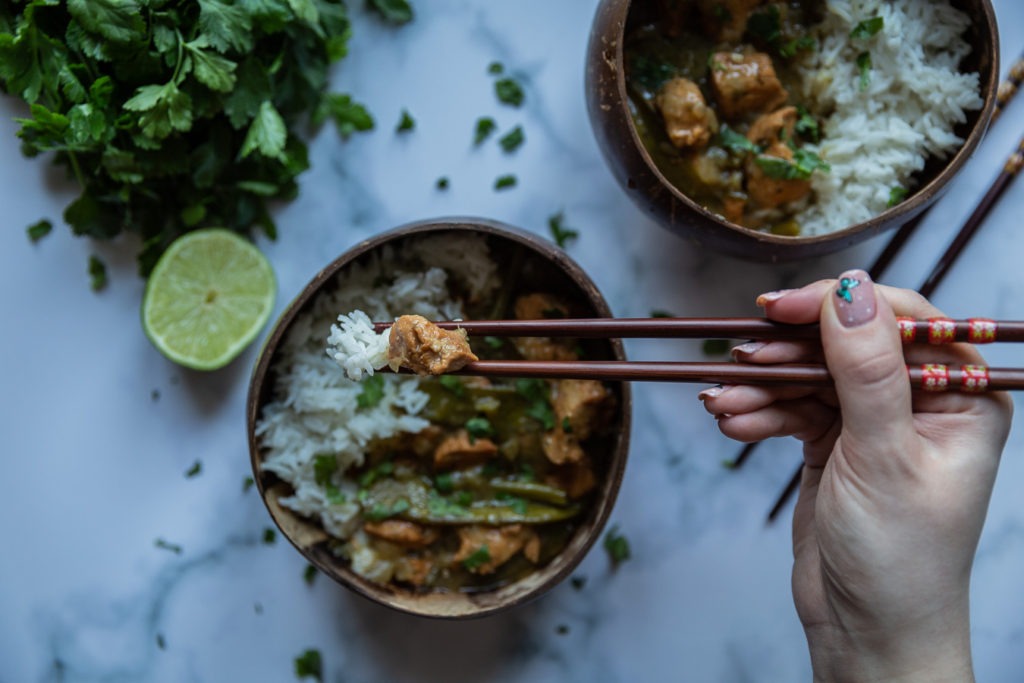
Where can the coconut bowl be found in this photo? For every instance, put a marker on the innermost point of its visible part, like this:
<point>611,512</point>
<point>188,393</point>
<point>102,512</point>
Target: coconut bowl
<point>640,178</point>
<point>547,268</point>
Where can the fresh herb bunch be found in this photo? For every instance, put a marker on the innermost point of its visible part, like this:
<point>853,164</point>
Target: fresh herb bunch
<point>174,115</point>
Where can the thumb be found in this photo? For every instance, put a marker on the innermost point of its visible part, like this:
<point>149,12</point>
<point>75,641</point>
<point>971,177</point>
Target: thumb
<point>865,358</point>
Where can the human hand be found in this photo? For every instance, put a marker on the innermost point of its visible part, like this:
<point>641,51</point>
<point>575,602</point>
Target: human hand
<point>895,485</point>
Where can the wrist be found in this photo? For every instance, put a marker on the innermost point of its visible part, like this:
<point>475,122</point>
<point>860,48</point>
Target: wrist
<point>923,653</point>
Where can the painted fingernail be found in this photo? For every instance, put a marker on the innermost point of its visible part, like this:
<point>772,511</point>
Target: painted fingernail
<point>854,298</point>
<point>768,297</point>
<point>712,392</point>
<point>748,348</point>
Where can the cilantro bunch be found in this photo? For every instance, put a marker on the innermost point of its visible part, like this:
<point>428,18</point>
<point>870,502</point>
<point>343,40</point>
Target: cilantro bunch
<point>174,115</point>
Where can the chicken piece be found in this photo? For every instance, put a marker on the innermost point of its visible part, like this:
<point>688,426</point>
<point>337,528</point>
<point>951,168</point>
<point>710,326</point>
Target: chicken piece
<point>580,405</point>
<point>775,127</point>
<point>402,532</point>
<point>689,121</point>
<point>577,479</point>
<point>413,570</point>
<point>745,83</point>
<point>733,208</point>
<point>767,192</point>
<point>502,544</point>
<point>560,447</point>
<point>459,450</point>
<point>726,20</point>
<point>423,347</point>
<point>539,306</point>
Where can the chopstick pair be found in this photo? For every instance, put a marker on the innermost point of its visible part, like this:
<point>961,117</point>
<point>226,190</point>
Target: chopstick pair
<point>928,377</point>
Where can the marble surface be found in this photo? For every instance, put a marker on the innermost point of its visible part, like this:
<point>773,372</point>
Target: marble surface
<point>99,429</point>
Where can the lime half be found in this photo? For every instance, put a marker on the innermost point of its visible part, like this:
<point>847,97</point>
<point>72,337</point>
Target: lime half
<point>208,297</point>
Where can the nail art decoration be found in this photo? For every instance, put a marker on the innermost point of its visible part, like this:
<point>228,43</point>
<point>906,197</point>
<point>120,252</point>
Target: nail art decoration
<point>845,285</point>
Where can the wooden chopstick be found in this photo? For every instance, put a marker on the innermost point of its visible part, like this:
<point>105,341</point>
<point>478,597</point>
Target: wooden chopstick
<point>932,331</point>
<point>929,377</point>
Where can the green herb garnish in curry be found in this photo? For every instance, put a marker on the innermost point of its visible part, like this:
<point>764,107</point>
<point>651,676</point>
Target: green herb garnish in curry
<point>712,91</point>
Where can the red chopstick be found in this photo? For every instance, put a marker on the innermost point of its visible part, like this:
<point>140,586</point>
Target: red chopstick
<point>928,377</point>
<point>933,331</point>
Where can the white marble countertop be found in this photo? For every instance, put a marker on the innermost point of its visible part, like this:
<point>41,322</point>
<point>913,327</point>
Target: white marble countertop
<point>100,429</point>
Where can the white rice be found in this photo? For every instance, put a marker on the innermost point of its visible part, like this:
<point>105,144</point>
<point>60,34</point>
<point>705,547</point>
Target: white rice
<point>315,409</point>
<point>876,139</point>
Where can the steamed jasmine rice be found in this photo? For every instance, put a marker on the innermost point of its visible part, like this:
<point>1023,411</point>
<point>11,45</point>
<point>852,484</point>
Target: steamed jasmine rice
<point>316,408</point>
<point>882,123</point>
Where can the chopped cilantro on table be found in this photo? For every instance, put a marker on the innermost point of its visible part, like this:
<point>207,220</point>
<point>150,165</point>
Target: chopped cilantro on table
<point>309,665</point>
<point>617,546</point>
<point>406,123</point>
<point>97,274</point>
<point>477,558</point>
<point>578,582</point>
<point>309,575</point>
<point>442,183</point>
<point>247,484</point>
<point>505,182</point>
<point>512,140</point>
<point>193,471</point>
<point>896,195</point>
<point>39,230</point>
<point>172,117</point>
<point>867,28</point>
<point>496,68</point>
<point>715,347</point>
<point>509,92</point>
<point>166,545</point>
<point>559,233</point>
<point>394,11</point>
<point>269,536</point>
<point>485,125</point>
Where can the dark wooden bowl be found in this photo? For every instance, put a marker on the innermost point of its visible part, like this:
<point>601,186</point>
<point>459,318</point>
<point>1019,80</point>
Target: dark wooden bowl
<point>556,270</point>
<point>639,176</point>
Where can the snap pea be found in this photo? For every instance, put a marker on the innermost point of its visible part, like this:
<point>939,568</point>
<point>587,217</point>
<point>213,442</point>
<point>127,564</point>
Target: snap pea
<point>531,490</point>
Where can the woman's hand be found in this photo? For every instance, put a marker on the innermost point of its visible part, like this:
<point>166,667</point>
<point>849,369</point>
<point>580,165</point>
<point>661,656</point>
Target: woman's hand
<point>895,485</point>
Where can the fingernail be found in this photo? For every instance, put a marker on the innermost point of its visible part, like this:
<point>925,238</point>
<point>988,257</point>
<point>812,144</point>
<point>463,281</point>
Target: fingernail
<point>768,297</point>
<point>712,392</point>
<point>854,298</point>
<point>748,348</point>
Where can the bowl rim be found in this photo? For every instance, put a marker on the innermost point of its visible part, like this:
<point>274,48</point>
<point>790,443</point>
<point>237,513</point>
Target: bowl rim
<point>582,540</point>
<point>900,214</point>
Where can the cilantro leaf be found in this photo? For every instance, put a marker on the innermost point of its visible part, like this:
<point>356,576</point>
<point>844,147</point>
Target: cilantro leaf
<point>97,274</point>
<point>867,28</point>
<point>559,233</point>
<point>372,391</point>
<point>485,125</point>
<point>166,545</point>
<point>896,195</point>
<point>617,546</point>
<point>394,11</point>
<point>807,125</point>
<point>269,536</point>
<point>309,574</point>
<point>766,25</point>
<point>267,134</point>
<point>479,427</point>
<point>512,140</point>
<point>348,115</point>
<point>227,27</point>
<point>380,512</point>
<point>477,558</point>
<point>309,664</point>
<point>193,471</point>
<point>210,69</point>
<point>164,109</point>
<point>505,182</point>
<point>509,91</point>
<point>38,231</point>
<point>442,183</point>
<point>405,123</point>
<point>736,142</point>
<point>119,21</point>
<point>453,384</point>
<point>864,66</point>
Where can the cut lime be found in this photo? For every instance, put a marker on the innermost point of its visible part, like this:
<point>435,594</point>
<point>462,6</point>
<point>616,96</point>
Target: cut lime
<point>208,297</point>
